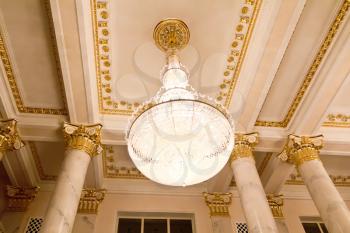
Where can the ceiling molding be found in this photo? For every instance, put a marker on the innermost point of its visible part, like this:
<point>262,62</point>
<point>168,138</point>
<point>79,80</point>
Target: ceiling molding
<point>8,70</point>
<point>237,55</point>
<point>326,44</point>
<point>337,120</point>
<point>111,171</point>
<point>338,180</point>
<point>101,34</point>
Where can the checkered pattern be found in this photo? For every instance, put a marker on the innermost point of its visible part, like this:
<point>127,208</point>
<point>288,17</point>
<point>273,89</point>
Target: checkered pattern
<point>34,225</point>
<point>241,227</point>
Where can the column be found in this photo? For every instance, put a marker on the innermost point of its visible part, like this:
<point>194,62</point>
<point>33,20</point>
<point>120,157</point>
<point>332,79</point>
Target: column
<point>218,204</point>
<point>82,143</point>
<point>253,199</point>
<point>276,204</point>
<point>304,153</point>
<point>9,137</point>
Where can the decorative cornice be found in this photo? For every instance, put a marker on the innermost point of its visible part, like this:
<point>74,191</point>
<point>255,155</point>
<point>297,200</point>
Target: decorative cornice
<point>83,137</point>
<point>218,203</point>
<point>90,200</point>
<point>244,144</point>
<point>312,70</point>
<point>8,68</point>
<point>110,170</point>
<point>244,30</point>
<point>338,180</point>
<point>276,204</point>
<point>102,51</point>
<point>9,137</point>
<point>337,120</point>
<point>19,197</point>
<point>300,149</point>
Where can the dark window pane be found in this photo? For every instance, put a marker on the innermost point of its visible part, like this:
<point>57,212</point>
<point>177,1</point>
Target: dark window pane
<point>324,229</point>
<point>155,226</point>
<point>180,226</point>
<point>129,225</point>
<point>311,228</point>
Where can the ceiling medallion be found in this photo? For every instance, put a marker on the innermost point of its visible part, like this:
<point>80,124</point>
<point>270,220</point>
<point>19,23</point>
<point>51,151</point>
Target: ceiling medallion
<point>171,34</point>
<point>179,137</point>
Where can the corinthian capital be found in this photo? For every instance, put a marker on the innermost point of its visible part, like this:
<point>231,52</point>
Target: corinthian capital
<point>276,204</point>
<point>300,149</point>
<point>244,145</point>
<point>83,137</point>
<point>218,203</point>
<point>9,137</point>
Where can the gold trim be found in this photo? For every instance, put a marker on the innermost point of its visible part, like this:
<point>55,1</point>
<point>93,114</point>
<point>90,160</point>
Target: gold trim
<point>9,137</point>
<point>111,171</point>
<point>337,120</point>
<point>171,35</point>
<point>218,203</point>
<point>237,56</point>
<point>338,180</point>
<point>244,144</point>
<point>100,24</point>
<point>83,137</point>
<point>90,200</point>
<point>312,70</point>
<point>19,198</point>
<point>38,165</point>
<point>276,204</point>
<point>12,80</point>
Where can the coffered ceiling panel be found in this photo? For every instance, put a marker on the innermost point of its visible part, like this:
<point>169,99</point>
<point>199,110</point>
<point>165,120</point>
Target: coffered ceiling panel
<point>29,57</point>
<point>128,63</point>
<point>48,157</point>
<point>306,50</point>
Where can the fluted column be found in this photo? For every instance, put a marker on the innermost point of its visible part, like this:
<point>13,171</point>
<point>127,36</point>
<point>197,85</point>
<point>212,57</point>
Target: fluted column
<point>9,137</point>
<point>218,204</point>
<point>253,198</point>
<point>82,142</point>
<point>276,204</point>
<point>304,153</point>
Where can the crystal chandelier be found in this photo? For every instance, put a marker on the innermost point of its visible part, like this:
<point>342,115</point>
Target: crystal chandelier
<point>179,137</point>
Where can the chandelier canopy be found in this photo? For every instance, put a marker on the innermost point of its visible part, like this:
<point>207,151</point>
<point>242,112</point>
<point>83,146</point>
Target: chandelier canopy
<point>179,137</point>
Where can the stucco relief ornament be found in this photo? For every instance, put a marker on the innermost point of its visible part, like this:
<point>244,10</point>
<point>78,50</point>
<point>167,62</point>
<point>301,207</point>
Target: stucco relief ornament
<point>9,137</point>
<point>179,137</point>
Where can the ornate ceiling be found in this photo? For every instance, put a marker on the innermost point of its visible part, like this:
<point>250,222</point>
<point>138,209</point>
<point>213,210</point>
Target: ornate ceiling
<point>280,67</point>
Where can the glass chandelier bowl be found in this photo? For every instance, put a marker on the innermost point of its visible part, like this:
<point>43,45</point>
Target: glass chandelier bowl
<point>179,137</point>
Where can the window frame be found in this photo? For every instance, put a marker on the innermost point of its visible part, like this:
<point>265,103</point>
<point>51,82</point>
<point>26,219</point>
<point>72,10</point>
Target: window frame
<point>156,215</point>
<point>315,221</point>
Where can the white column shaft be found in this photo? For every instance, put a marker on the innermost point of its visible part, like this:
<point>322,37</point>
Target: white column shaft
<point>64,202</point>
<point>253,198</point>
<point>328,201</point>
<point>281,225</point>
<point>221,224</point>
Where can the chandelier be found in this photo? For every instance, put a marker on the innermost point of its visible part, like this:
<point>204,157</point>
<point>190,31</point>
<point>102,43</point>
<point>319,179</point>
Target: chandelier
<point>179,137</point>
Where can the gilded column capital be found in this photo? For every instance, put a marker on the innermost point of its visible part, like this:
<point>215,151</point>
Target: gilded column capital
<point>20,197</point>
<point>83,137</point>
<point>276,204</point>
<point>244,145</point>
<point>218,203</point>
<point>90,200</point>
<point>9,137</point>
<point>300,149</point>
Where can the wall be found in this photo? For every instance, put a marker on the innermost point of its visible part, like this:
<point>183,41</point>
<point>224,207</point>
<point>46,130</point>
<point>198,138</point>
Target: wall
<point>106,220</point>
